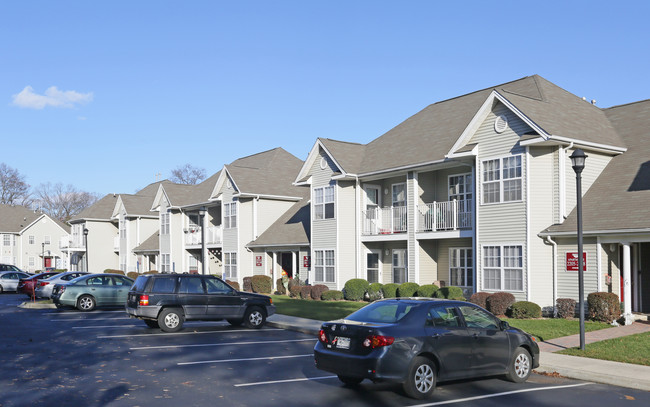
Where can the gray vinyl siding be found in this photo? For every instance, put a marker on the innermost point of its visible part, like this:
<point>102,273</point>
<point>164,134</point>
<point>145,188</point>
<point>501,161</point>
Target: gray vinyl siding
<point>411,191</point>
<point>557,216</point>
<point>594,165</point>
<point>567,281</point>
<point>428,187</point>
<point>178,258</point>
<point>347,231</point>
<point>611,265</point>
<point>542,203</point>
<point>268,211</point>
<point>230,235</point>
<point>428,252</point>
<point>245,258</point>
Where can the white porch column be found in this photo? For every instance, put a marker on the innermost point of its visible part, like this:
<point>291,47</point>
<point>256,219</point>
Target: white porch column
<point>294,263</point>
<point>273,266</point>
<point>627,286</point>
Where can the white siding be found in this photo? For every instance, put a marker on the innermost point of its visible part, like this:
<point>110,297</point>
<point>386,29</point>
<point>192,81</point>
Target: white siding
<point>594,165</point>
<point>567,286</point>
<point>347,221</point>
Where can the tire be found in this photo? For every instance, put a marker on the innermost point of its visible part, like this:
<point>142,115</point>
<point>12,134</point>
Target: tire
<point>235,322</point>
<point>59,306</point>
<point>254,318</point>
<point>421,380</point>
<point>350,381</point>
<point>86,303</point>
<point>1,289</point>
<point>520,366</point>
<point>152,323</point>
<point>171,320</point>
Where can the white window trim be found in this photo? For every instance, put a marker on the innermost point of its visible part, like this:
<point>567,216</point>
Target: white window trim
<point>227,265</point>
<point>379,264</point>
<point>502,267</point>
<point>469,267</point>
<point>376,187</point>
<point>501,179</point>
<point>324,203</point>
<point>324,265</point>
<point>406,264</point>
<point>228,215</point>
<point>392,190</point>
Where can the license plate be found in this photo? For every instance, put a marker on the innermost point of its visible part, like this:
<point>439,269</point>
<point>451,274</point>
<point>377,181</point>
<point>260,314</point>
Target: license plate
<point>342,342</point>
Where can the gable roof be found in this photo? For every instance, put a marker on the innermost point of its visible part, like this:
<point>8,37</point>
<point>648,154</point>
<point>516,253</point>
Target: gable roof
<point>293,228</point>
<point>618,200</point>
<point>16,218</point>
<point>150,245</point>
<point>100,210</point>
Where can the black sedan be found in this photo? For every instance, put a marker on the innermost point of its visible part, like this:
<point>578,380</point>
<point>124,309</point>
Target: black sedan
<point>418,341</point>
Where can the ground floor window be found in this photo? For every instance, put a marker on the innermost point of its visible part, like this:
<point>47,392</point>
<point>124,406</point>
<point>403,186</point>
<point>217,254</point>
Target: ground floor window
<point>193,264</point>
<point>230,266</point>
<point>399,266</point>
<point>372,267</point>
<point>324,266</point>
<point>164,263</point>
<point>461,271</point>
<point>503,268</point>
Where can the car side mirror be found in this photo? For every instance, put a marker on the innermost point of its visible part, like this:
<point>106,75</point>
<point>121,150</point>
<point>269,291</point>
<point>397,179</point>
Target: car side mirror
<point>504,325</point>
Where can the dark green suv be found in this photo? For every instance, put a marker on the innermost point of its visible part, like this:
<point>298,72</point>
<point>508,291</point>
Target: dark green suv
<point>165,301</point>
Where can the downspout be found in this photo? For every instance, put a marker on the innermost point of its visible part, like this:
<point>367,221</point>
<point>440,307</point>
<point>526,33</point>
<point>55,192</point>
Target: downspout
<point>562,180</point>
<point>554,244</point>
<point>357,232</point>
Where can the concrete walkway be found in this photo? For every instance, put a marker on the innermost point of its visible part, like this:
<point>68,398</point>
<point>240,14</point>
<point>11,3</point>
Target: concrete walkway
<point>594,370</point>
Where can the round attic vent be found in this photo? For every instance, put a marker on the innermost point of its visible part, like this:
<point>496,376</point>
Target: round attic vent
<point>500,123</point>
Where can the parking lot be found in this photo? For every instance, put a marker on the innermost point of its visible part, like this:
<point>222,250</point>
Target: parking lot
<point>54,358</point>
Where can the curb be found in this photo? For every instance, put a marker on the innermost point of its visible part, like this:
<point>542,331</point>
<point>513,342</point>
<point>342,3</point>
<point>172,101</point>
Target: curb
<point>36,305</point>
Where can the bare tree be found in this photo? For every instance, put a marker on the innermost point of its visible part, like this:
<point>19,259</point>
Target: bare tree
<point>187,174</point>
<point>13,188</point>
<point>63,202</point>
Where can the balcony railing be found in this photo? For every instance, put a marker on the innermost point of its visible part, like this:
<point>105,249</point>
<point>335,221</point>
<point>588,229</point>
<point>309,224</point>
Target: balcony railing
<point>449,215</point>
<point>213,235</point>
<point>76,242</point>
<point>384,221</point>
<point>64,242</point>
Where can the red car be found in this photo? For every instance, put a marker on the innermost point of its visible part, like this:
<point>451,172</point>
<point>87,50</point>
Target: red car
<point>28,285</point>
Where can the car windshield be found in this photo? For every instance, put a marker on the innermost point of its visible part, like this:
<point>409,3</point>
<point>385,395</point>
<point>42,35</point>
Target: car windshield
<point>139,284</point>
<point>383,312</point>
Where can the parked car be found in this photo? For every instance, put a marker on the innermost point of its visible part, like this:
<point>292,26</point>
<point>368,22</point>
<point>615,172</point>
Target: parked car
<point>92,290</point>
<point>27,285</point>
<point>167,300</point>
<point>9,279</point>
<point>44,287</point>
<point>418,342</point>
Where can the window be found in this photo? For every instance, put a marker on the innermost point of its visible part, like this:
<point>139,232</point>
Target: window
<point>443,316</point>
<point>324,266</point>
<point>399,266</point>
<point>502,181</point>
<point>372,267</point>
<point>46,239</point>
<point>503,268</point>
<point>32,262</point>
<point>230,265</point>
<point>31,239</point>
<point>477,318</point>
<point>164,223</point>
<point>324,202</point>
<point>193,264</point>
<point>191,286</point>
<point>215,286</point>
<point>460,189</point>
<point>6,240</point>
<point>230,215</point>
<point>164,285</point>
<point>461,272</point>
<point>399,194</point>
<point>122,228</point>
<point>164,260</point>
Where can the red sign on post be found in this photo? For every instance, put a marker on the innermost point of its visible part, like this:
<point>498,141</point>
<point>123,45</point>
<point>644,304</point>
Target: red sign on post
<point>258,261</point>
<point>306,261</point>
<point>572,261</point>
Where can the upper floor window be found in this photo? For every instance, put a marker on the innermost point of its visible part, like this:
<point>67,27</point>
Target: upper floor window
<point>503,268</point>
<point>31,239</point>
<point>46,239</point>
<point>164,223</point>
<point>324,202</point>
<point>502,180</point>
<point>230,215</point>
<point>399,194</point>
<point>122,228</point>
<point>6,240</point>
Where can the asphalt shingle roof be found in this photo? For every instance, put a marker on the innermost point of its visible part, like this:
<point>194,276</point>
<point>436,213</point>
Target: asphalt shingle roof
<point>268,173</point>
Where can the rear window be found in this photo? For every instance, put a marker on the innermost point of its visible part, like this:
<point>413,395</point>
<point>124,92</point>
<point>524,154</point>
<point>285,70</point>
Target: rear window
<point>164,285</point>
<point>382,312</point>
<point>140,284</point>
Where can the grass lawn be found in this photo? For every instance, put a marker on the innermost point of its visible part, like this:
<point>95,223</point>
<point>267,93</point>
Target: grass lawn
<point>545,329</point>
<point>628,349</point>
<point>319,310</point>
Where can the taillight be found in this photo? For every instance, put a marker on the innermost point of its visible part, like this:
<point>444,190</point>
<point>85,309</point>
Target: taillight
<point>144,299</point>
<point>43,283</point>
<point>377,341</point>
<point>61,289</point>
<point>322,337</point>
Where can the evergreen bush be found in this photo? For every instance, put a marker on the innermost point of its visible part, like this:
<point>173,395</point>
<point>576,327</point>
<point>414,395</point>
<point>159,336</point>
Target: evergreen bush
<point>261,284</point>
<point>355,289</point>
<point>407,289</point>
<point>427,290</point>
<point>450,293</point>
<point>332,295</point>
<point>389,290</point>
<point>604,307</point>
<point>525,310</point>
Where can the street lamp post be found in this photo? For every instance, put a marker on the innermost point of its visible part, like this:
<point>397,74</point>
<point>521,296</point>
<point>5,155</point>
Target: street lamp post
<point>86,243</point>
<point>43,254</point>
<point>202,212</point>
<point>578,163</point>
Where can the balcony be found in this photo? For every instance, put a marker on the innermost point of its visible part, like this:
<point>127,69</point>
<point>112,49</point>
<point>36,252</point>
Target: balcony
<point>442,216</point>
<point>384,221</point>
<point>65,242</point>
<point>213,235</point>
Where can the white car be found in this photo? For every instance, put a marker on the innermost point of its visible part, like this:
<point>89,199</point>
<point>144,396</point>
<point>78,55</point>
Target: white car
<point>9,280</point>
<point>44,287</point>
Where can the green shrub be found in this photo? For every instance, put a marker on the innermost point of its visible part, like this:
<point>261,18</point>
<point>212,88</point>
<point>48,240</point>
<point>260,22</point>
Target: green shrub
<point>427,290</point>
<point>113,271</point>
<point>132,274</point>
<point>525,310</point>
<point>603,307</point>
<point>407,289</point>
<point>450,293</point>
<point>332,295</point>
<point>355,289</point>
<point>317,291</point>
<point>248,285</point>
<point>389,290</point>
<point>294,292</point>
<point>566,308</point>
<point>374,292</point>
<point>305,292</point>
<point>498,303</point>
<point>480,299</point>
<point>261,284</point>
<point>233,284</point>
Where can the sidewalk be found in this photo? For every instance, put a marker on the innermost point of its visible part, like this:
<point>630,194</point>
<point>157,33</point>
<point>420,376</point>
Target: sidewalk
<point>593,370</point>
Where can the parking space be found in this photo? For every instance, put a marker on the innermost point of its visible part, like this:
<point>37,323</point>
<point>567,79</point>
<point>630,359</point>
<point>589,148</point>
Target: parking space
<point>52,357</point>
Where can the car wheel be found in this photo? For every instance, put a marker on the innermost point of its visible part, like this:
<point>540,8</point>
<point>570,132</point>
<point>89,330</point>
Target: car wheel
<point>350,381</point>
<point>86,303</point>
<point>235,322</point>
<point>170,320</point>
<point>152,323</point>
<point>520,366</point>
<point>1,289</point>
<point>59,306</point>
<point>254,318</point>
<point>421,380</point>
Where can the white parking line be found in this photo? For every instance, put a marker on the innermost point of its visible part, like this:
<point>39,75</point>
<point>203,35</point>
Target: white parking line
<point>221,344</point>
<point>244,360</point>
<point>303,379</point>
<point>86,319</point>
<point>505,393</point>
<point>106,326</point>
<point>76,314</point>
<point>187,333</point>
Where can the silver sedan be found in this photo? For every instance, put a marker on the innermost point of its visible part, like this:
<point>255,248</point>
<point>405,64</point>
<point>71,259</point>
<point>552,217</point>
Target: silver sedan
<point>44,287</point>
<point>9,280</point>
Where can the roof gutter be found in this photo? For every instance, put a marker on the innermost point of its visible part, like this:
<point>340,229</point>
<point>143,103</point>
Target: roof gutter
<point>596,232</point>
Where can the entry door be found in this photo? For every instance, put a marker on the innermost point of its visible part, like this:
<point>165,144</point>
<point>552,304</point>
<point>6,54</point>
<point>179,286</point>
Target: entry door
<point>372,266</point>
<point>287,263</point>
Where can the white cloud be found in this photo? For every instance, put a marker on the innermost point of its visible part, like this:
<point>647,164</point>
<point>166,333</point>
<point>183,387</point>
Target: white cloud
<point>53,97</point>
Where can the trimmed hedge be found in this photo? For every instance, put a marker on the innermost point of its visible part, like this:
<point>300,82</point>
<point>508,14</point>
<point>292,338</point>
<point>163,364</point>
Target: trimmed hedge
<point>317,291</point>
<point>248,285</point>
<point>498,303</point>
<point>525,310</point>
<point>604,307</point>
<point>295,282</point>
<point>427,290</point>
<point>233,284</point>
<point>479,299</point>
<point>261,284</point>
<point>355,289</point>
<point>151,272</point>
<point>279,287</point>
<point>305,292</point>
<point>389,290</point>
<point>407,289</point>
<point>450,293</point>
<point>113,271</point>
<point>332,295</point>
<point>132,274</point>
<point>566,308</point>
<point>374,292</point>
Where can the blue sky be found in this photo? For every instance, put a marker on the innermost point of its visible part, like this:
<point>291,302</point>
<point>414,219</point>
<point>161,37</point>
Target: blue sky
<point>104,95</point>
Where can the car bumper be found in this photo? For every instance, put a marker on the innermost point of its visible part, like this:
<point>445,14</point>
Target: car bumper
<point>270,310</point>
<point>149,312</point>
<point>375,366</point>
